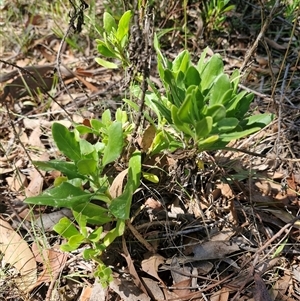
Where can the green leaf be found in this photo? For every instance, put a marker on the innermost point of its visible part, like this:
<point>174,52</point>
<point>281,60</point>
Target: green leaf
<point>180,125</point>
<point>96,235</point>
<point>208,143</point>
<point>221,86</point>
<point>106,64</point>
<point>201,63</point>
<point>214,66</point>
<point>185,112</point>
<point>226,125</point>
<point>75,241</point>
<point>203,127</point>
<point>82,129</point>
<point>86,147</point>
<point>120,206</point>
<point>97,125</point>
<point>106,118</point>
<point>150,177</point>
<point>95,214</point>
<point>181,62</point>
<point>227,137</point>
<point>66,142</point>
<point>258,120</point>
<point>235,79</point>
<point>69,169</point>
<point>109,23</point>
<point>65,195</point>
<point>114,146</point>
<point>217,112</point>
<point>163,110</point>
<point>87,167</point>
<point>65,228</point>
<point>123,26</point>
<point>192,77</point>
<point>105,51</point>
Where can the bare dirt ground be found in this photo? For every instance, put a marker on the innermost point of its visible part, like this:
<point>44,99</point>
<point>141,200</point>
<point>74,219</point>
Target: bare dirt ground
<point>229,231</point>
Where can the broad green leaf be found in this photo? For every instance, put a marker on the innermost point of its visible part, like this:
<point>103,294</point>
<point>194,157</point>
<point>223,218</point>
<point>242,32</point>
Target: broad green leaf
<point>86,147</point>
<point>109,23</point>
<point>207,143</point>
<point>114,233</point>
<point>235,79</point>
<point>105,51</point>
<point>65,195</point>
<point>192,77</point>
<point>95,214</point>
<point>217,112</point>
<point>232,107</point>
<point>164,110</point>
<point>181,62</point>
<point>82,222</point>
<point>226,98</point>
<point>221,86</point>
<point>151,177</point>
<point>180,125</point>
<point>106,64</point>
<point>114,146</point>
<point>160,143</point>
<point>214,67</point>
<point>66,142</point>
<point>201,62</point>
<point>244,105</point>
<point>258,120</point>
<point>87,167</point>
<point>226,125</point>
<point>203,127</point>
<point>120,206</point>
<point>198,105</point>
<point>82,129</point>
<point>185,112</point>
<point>95,236</point>
<point>97,125</point>
<point>65,228</point>
<point>175,93</point>
<point>227,137</point>
<point>75,241</point>
<point>69,169</point>
<point>123,26</point>
<point>106,118</point>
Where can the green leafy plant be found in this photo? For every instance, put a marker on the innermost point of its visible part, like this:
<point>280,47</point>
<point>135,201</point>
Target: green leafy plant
<point>84,187</point>
<point>214,13</point>
<point>115,40</point>
<point>201,103</point>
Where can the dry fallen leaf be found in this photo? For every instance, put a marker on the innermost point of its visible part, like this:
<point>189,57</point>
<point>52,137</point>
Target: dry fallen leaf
<point>221,295</point>
<point>116,187</point>
<point>261,293</point>
<point>18,254</point>
<point>150,265</point>
<point>53,261</point>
